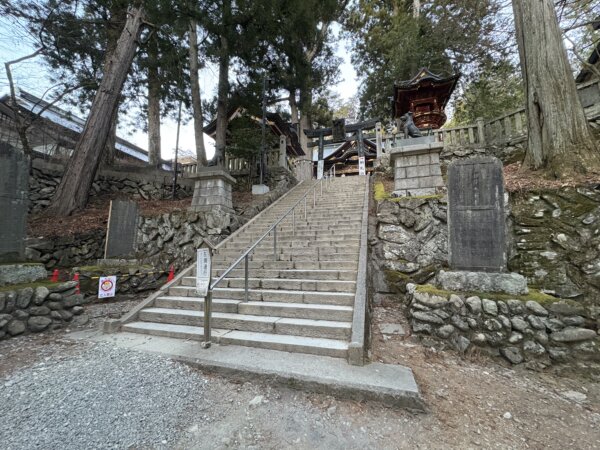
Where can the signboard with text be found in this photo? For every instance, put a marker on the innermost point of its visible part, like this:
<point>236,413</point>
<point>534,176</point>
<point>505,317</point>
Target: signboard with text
<point>320,168</point>
<point>202,271</point>
<point>362,168</point>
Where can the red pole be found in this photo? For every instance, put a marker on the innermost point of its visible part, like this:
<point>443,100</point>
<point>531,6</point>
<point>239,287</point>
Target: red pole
<point>54,277</point>
<point>76,278</point>
<point>171,273</point>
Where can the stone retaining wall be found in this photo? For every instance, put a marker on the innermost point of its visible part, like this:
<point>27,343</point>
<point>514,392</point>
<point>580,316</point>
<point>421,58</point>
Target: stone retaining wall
<point>521,331</point>
<point>409,243</point>
<point>35,309</point>
<point>556,241</point>
<point>135,183</point>
<point>170,238</point>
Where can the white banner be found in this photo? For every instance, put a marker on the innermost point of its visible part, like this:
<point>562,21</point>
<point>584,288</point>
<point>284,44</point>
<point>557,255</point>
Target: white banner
<point>362,168</point>
<point>320,169</point>
<point>202,271</point>
<point>107,286</point>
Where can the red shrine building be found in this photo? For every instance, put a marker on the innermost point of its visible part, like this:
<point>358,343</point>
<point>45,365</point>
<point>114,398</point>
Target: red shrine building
<point>426,96</point>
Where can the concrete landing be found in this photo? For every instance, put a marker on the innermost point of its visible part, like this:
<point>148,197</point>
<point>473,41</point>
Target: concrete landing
<point>390,384</point>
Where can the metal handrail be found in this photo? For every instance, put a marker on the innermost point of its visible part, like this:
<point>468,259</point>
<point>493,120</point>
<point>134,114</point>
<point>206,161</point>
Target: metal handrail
<point>328,178</point>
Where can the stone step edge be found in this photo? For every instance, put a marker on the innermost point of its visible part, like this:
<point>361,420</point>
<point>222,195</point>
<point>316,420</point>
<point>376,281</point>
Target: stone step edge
<point>387,384</point>
<point>219,334</point>
<point>250,318</point>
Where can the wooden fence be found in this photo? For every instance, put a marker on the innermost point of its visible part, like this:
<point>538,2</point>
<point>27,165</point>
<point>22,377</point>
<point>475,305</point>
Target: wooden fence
<point>236,166</point>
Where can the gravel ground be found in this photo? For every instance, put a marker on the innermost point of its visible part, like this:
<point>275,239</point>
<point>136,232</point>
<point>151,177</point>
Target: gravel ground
<point>56,393</point>
<point>101,398</point>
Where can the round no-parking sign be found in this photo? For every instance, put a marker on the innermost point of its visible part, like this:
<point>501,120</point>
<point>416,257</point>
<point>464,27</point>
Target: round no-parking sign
<point>107,286</point>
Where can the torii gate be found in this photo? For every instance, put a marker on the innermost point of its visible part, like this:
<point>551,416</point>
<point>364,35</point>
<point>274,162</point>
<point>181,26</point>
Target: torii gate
<point>339,133</point>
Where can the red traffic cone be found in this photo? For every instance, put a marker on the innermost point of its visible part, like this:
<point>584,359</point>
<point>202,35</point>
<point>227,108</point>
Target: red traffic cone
<point>54,277</point>
<point>76,278</point>
<point>171,273</point>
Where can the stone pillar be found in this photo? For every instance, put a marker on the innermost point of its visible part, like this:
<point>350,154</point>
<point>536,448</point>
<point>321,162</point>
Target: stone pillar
<point>283,151</point>
<point>379,139</point>
<point>416,164</point>
<point>481,130</point>
<point>14,192</point>
<point>212,191</point>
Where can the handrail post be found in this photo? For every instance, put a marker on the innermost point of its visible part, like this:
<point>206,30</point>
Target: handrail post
<point>305,208</point>
<point>294,222</point>
<point>207,316</point>
<point>275,243</point>
<point>321,183</point>
<point>246,278</point>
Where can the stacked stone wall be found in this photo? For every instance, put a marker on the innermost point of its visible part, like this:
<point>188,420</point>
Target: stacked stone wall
<point>519,330</point>
<point>35,309</point>
<point>135,183</point>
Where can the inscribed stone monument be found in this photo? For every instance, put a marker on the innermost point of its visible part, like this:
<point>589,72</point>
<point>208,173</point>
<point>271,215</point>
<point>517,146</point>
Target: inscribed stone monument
<point>476,215</point>
<point>14,174</point>
<point>122,229</point>
<point>477,244</point>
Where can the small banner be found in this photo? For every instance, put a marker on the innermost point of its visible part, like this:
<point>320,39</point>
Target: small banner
<point>202,271</point>
<point>362,168</point>
<point>107,286</point>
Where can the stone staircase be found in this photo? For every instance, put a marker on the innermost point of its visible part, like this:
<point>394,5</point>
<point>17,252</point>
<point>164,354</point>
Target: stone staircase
<point>302,300</point>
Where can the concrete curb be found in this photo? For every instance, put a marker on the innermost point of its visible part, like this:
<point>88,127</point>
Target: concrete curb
<point>356,349</point>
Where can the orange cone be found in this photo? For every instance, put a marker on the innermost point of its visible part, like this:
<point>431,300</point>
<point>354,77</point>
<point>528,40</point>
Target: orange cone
<point>171,273</point>
<point>54,277</point>
<point>76,278</point>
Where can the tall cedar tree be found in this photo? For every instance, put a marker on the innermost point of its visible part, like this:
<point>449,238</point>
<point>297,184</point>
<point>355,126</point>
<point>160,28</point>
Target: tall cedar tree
<point>559,138</point>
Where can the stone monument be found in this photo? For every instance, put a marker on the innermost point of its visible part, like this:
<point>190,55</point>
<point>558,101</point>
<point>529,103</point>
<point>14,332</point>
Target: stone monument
<point>122,230</point>
<point>476,229</point>
<point>416,164</point>
<point>212,191</point>
<point>14,189</point>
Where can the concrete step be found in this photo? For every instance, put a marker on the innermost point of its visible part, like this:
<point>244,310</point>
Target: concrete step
<point>313,251</point>
<point>295,344</point>
<point>228,259</point>
<point>248,322</point>
<point>293,245</point>
<point>196,304</point>
<point>242,242</point>
<point>297,265</point>
<point>282,283</point>
<point>349,275</point>
<point>297,310</point>
<point>281,295</point>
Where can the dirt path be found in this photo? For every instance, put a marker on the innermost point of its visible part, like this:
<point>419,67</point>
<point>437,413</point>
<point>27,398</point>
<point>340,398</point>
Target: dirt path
<point>474,403</point>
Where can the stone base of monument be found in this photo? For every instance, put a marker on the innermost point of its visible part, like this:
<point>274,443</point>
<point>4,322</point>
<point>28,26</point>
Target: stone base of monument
<point>19,273</point>
<point>115,262</point>
<point>212,191</point>
<point>260,189</point>
<point>499,282</point>
<point>416,165</point>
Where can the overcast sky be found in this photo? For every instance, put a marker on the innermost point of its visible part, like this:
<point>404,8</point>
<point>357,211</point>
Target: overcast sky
<point>32,76</point>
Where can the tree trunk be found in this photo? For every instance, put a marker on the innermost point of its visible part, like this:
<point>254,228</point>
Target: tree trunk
<point>222,94</point>
<point>109,149</point>
<point>153,106</point>
<point>196,98</point>
<point>72,192</point>
<point>559,137</point>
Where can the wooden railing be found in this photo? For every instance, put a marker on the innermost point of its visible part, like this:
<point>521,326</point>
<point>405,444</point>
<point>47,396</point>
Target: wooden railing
<point>236,166</point>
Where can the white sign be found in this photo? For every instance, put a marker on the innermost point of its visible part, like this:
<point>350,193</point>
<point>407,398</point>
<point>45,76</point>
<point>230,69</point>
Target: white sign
<point>202,271</point>
<point>362,168</point>
<point>320,168</point>
<point>107,286</point>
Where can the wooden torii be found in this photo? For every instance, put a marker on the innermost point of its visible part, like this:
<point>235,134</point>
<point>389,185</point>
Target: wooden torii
<point>338,134</point>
